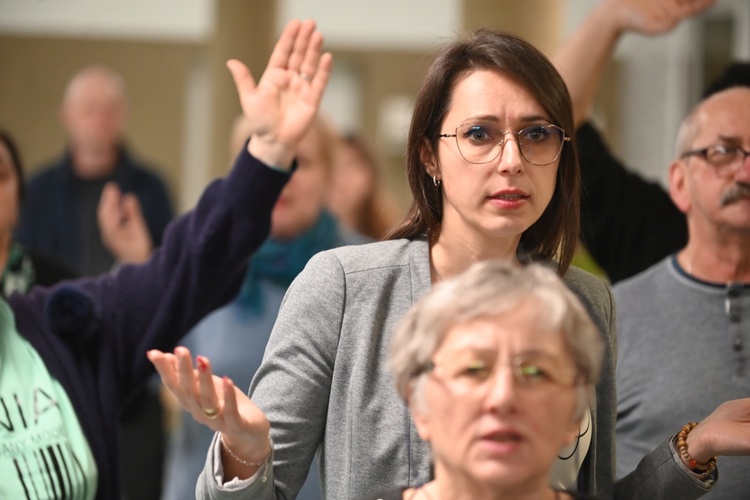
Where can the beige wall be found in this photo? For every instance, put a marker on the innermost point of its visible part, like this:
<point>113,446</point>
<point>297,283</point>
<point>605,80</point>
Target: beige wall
<point>538,21</point>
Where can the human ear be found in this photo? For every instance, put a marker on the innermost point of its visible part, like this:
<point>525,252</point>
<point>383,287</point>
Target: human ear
<point>422,423</point>
<point>678,189</point>
<point>574,431</point>
<point>418,415</point>
<point>429,159</point>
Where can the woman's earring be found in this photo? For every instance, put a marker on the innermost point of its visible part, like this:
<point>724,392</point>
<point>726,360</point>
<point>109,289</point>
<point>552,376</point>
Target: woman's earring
<point>435,180</point>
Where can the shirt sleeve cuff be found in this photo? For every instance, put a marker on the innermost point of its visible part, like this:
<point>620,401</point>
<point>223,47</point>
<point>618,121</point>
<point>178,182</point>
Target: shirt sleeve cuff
<point>289,170</point>
<point>235,484</point>
<point>706,483</point>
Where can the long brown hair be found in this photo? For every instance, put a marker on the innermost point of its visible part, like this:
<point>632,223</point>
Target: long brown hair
<point>556,231</point>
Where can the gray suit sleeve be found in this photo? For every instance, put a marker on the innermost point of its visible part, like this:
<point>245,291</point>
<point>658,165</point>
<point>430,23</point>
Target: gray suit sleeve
<point>293,383</point>
<point>210,485</point>
<point>661,474</point>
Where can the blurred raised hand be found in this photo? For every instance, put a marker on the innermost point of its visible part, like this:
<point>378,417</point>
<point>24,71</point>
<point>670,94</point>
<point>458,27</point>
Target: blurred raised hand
<point>582,57</point>
<point>653,17</point>
<point>123,229</point>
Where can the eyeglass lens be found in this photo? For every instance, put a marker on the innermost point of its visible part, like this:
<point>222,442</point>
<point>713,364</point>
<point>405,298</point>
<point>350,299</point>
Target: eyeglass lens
<point>723,157</point>
<point>481,143</point>
<point>476,372</point>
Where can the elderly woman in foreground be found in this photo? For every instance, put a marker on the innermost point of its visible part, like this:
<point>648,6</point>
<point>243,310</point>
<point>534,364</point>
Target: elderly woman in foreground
<point>497,367</point>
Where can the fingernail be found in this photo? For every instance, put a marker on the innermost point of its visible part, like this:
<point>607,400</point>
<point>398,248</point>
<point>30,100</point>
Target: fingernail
<point>202,365</point>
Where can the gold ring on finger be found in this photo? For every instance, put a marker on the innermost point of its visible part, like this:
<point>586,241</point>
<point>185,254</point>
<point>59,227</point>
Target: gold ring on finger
<point>210,412</point>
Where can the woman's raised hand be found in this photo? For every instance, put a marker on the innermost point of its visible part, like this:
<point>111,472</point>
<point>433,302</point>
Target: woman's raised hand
<point>216,403</point>
<point>281,106</point>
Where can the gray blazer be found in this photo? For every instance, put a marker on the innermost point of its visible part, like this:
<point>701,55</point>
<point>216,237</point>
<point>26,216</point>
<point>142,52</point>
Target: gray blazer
<point>325,386</point>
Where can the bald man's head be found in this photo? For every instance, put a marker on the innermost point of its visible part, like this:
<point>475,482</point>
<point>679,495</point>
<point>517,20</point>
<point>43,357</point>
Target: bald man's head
<point>94,109</point>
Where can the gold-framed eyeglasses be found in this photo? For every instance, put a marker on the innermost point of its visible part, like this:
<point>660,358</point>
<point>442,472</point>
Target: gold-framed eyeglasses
<point>475,374</point>
<point>724,159</point>
<point>481,143</point>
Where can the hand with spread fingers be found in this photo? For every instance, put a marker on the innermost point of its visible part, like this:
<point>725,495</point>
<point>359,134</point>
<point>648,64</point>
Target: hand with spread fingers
<point>218,404</point>
<point>281,106</point>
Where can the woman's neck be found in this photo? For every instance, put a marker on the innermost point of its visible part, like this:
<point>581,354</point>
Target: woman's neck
<point>451,256</point>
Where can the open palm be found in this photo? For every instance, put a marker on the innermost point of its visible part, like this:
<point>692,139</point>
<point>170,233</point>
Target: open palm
<point>281,106</point>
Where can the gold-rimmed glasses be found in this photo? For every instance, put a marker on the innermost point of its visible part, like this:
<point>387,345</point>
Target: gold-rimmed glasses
<point>474,373</point>
<point>481,143</point>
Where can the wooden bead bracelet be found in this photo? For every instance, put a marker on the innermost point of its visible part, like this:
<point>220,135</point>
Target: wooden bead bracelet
<point>704,469</point>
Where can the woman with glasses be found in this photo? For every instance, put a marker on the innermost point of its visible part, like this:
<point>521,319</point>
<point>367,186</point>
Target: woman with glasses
<point>497,389</point>
<point>494,175</point>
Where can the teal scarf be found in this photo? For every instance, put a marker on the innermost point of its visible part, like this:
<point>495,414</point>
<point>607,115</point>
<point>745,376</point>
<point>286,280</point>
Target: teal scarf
<point>281,261</point>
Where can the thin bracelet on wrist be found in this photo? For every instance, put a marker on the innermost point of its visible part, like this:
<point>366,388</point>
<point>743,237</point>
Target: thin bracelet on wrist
<point>245,462</point>
<point>704,469</point>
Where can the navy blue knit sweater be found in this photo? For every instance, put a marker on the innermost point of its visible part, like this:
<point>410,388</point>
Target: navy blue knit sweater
<point>93,333</point>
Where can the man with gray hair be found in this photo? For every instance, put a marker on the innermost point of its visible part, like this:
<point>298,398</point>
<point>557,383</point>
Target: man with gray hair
<point>59,215</point>
<point>684,324</point>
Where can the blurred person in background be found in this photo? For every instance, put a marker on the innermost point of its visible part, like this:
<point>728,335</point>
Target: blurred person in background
<point>22,268</point>
<point>235,337</point>
<point>358,198</point>
<point>59,213</point>
<point>59,217</point>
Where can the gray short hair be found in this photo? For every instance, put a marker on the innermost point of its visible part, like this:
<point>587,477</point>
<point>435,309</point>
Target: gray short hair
<point>489,288</point>
<point>687,132</point>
